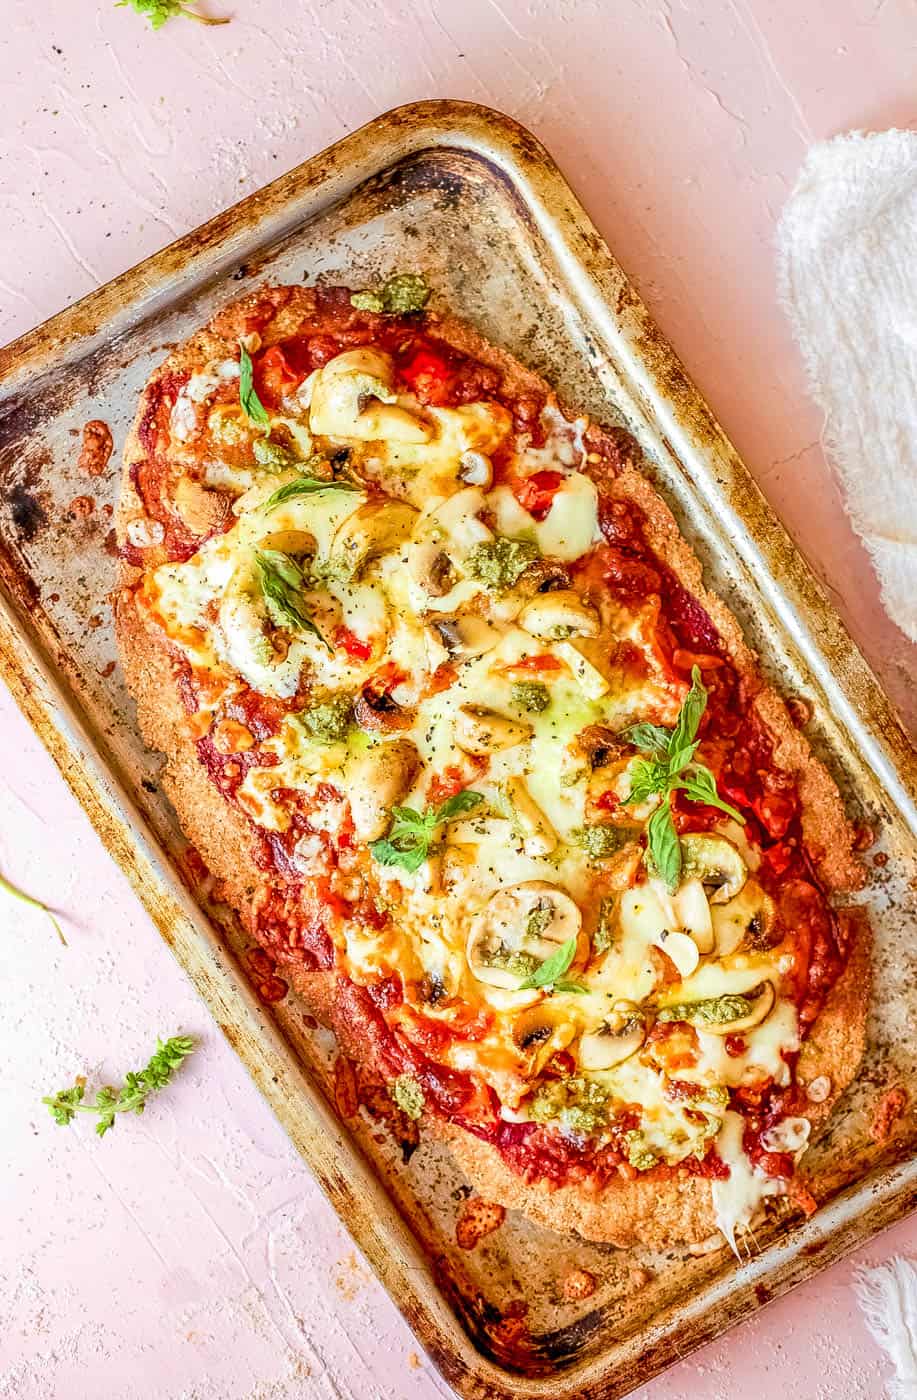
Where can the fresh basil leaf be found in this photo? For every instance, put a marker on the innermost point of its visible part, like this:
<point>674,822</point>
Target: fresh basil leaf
<point>646,778</point>
<point>689,716</point>
<point>700,786</point>
<point>553,968</point>
<point>680,758</point>
<point>663,845</point>
<point>453,806</point>
<point>409,857</point>
<point>411,819</point>
<point>650,738</point>
<point>304,486</point>
<point>248,397</point>
<point>282,583</point>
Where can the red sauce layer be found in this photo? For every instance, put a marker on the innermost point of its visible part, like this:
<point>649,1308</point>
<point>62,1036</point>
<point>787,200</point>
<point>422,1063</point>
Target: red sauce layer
<point>291,914</point>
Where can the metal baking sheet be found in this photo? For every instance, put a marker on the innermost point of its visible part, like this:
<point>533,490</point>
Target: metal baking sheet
<point>474,200</point>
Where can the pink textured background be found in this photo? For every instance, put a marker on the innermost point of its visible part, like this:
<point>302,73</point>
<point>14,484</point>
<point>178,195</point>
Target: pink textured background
<point>189,1256</point>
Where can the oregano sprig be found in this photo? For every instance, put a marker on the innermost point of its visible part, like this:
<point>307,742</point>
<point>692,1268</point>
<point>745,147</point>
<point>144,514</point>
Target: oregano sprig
<point>132,1097</point>
<point>670,765</point>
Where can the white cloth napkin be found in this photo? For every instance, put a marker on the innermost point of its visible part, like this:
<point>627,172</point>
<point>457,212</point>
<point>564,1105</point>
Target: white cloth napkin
<point>888,1298</point>
<point>847,267</point>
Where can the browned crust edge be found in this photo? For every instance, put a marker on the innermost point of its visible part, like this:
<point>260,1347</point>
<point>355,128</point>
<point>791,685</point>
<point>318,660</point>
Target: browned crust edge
<point>645,1211</point>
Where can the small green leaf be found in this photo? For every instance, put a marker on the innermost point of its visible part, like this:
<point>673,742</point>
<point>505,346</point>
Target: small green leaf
<point>409,858</point>
<point>282,583</point>
<point>304,486</point>
<point>700,786</point>
<point>454,806</point>
<point>248,397</point>
<point>663,845</point>
<point>553,968</point>
<point>571,987</point>
<point>690,714</point>
<point>650,738</point>
<point>646,778</point>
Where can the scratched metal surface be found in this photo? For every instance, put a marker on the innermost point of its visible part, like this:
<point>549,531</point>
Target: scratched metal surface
<point>474,200</point>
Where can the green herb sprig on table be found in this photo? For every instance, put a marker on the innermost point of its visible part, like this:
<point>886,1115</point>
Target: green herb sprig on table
<point>412,833</point>
<point>670,765</point>
<point>133,1094</point>
<point>33,904</point>
<point>158,11</point>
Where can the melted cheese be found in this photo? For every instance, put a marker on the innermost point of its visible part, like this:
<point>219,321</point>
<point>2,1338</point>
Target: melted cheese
<point>211,608</point>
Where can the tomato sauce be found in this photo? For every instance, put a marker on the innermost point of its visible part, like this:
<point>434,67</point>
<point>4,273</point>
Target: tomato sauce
<point>292,914</point>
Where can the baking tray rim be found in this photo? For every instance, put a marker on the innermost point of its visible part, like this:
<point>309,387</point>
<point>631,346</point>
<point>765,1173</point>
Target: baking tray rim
<point>42,691</point>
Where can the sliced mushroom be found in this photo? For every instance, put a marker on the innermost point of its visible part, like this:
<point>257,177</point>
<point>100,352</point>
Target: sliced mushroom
<point>201,510</point>
<point>750,919</point>
<point>352,397</point>
<point>475,469</point>
<point>431,568</point>
<point>377,779</point>
<point>378,713</point>
<point>482,731</point>
<point>620,1037</point>
<point>372,529</point>
<point>599,745</point>
<point>538,835</point>
<point>762,999</point>
<point>540,1031</point>
<point>518,929</point>
<point>544,576</point>
<point>465,637</point>
<point>559,614</point>
<point>692,911</point>
<point>715,862</point>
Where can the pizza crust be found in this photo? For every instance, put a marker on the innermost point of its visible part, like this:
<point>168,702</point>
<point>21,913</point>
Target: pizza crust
<point>645,1211</point>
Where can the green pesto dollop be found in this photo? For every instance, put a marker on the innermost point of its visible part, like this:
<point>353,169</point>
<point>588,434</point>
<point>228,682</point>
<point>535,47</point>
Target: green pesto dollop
<point>398,296</point>
<point>639,1155</point>
<point>272,455</point>
<point>578,1104</point>
<point>711,1011</point>
<point>500,562</point>
<point>512,960</point>
<point>328,722</point>
<point>531,695</point>
<point>408,1095</point>
<point>600,842</point>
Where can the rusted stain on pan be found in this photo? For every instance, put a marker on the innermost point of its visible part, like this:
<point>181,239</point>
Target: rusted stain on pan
<point>474,199</point>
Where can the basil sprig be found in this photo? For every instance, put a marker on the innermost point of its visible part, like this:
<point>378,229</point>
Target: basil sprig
<point>412,833</point>
<point>670,765</point>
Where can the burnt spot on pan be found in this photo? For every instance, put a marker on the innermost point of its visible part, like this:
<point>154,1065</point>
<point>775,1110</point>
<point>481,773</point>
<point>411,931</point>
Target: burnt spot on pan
<point>26,511</point>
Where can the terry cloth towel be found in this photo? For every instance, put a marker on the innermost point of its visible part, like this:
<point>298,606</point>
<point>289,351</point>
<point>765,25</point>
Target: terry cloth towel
<point>888,1297</point>
<point>847,268</point>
